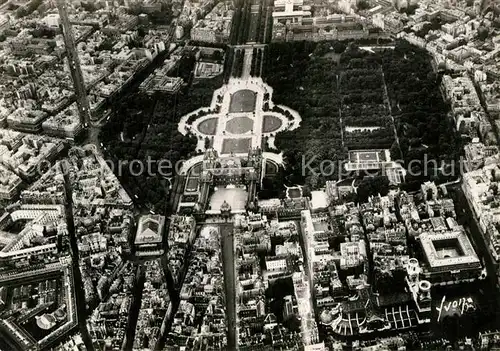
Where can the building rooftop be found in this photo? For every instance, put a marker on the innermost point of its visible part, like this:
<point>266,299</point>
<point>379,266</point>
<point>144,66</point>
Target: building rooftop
<point>150,230</point>
<point>66,123</point>
<point>448,250</point>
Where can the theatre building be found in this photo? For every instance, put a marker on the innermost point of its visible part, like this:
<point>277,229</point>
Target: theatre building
<point>149,238</point>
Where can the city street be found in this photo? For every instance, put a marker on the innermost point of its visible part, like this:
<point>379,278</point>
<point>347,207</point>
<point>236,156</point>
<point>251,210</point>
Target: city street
<point>228,258</point>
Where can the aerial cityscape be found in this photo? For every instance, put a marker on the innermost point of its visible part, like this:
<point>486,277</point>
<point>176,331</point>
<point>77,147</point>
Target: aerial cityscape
<point>307,175</point>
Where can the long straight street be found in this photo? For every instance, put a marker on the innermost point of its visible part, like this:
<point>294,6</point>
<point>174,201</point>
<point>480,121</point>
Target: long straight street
<point>228,259</point>
<point>79,293</point>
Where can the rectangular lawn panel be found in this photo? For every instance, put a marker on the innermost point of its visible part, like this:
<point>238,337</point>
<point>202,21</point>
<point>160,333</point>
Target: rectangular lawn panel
<point>238,145</point>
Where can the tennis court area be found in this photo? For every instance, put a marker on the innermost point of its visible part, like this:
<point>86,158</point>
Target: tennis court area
<point>362,156</point>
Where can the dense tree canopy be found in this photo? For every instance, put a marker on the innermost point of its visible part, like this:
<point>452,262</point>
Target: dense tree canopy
<point>424,128</point>
<point>307,84</point>
<point>372,186</point>
<point>145,127</point>
<point>307,77</point>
